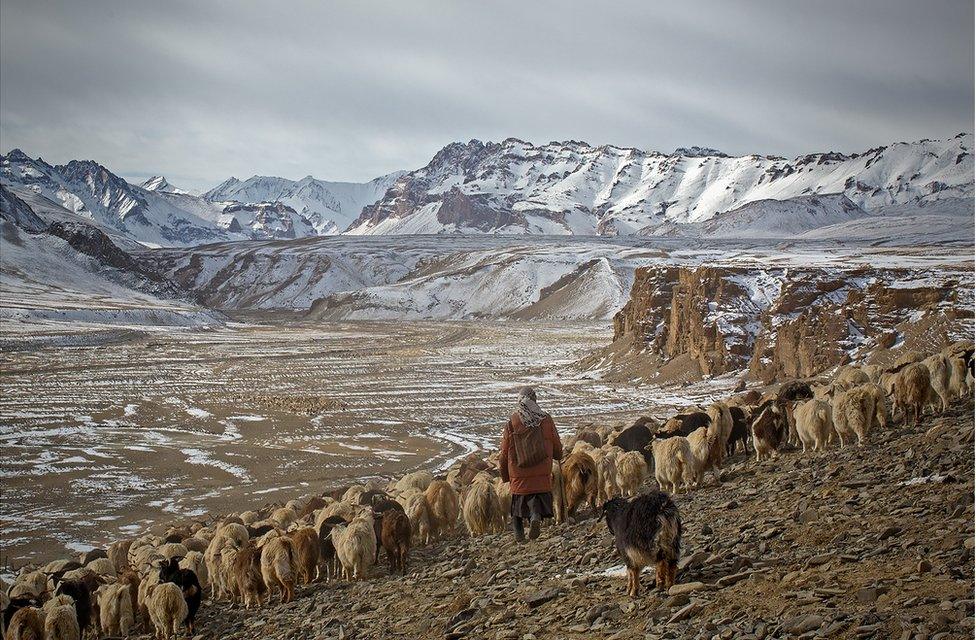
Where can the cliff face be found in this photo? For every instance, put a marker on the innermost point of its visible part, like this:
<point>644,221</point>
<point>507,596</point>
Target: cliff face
<point>778,323</point>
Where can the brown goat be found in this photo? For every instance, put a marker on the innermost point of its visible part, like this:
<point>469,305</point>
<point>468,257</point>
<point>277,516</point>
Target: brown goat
<point>579,482</point>
<point>396,539</point>
<point>305,543</point>
<point>245,580</point>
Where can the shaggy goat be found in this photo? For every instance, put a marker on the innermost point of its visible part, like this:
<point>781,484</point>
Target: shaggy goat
<point>442,507</point>
<point>631,471</point>
<point>396,539</point>
<point>579,481</point>
<point>278,567</point>
<point>419,515</point>
<point>673,463</point>
<point>646,530</point>
<point>61,622</point>
<point>558,504</point>
<point>740,430</point>
<point>306,548</point>
<point>355,546</point>
<point>606,474</point>
<point>27,623</point>
<point>769,429</point>
<point>504,492</point>
<point>167,609</point>
<point>481,510</point>
<point>246,582</point>
<point>939,372</point>
<point>81,592</point>
<point>419,480</point>
<point>115,614</point>
<point>814,424</point>
<point>721,420</point>
<point>911,390</point>
<point>852,413</point>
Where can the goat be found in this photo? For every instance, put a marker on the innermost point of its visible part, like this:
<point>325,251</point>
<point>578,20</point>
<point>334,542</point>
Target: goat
<point>442,507</point>
<point>579,481</point>
<point>646,530</point>
<point>167,609</point>
<point>396,539</point>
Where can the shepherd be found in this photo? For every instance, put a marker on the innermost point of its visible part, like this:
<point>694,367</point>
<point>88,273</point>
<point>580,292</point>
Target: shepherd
<point>529,445</point>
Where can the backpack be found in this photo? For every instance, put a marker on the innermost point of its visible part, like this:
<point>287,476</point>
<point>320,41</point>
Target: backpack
<point>528,445</point>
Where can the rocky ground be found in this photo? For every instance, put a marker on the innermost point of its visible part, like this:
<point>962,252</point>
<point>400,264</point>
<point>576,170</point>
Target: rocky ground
<point>872,542</point>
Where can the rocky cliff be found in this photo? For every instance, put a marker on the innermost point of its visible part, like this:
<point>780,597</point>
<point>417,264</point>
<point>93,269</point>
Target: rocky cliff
<point>685,321</point>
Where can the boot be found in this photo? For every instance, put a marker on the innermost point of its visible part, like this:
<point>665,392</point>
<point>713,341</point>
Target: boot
<point>518,526</point>
<point>534,526</point>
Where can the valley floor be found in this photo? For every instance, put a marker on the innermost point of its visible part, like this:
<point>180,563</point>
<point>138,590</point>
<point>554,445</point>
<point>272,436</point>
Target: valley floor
<point>872,542</point>
<point>108,430</point>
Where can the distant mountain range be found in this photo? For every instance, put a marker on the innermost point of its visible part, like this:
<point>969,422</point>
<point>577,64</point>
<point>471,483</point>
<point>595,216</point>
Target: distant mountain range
<point>515,187</point>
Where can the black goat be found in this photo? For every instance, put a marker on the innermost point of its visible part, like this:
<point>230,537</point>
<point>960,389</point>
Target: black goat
<point>740,430</point>
<point>186,580</point>
<point>646,530</point>
<point>327,552</point>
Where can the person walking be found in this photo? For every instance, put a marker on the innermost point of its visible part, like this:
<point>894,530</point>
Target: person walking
<point>529,445</point>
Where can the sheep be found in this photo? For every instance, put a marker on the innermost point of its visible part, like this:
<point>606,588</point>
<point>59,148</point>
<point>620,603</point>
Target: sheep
<point>27,623</point>
<point>939,373</point>
<point>189,585</point>
<point>814,424</point>
<point>606,473</point>
<point>852,414</point>
<point>481,510</point>
<point>355,546</point>
<point>631,471</point>
<point>305,542</point>
<point>646,530</point>
<point>769,429</point>
<point>246,582</point>
<point>419,480</point>
<point>579,481</point>
<point>115,614</point>
<point>395,538</point>
<point>167,609</point>
<point>278,567</point>
<point>442,507</point>
<point>673,462</point>
<point>911,389</point>
<point>504,492</point>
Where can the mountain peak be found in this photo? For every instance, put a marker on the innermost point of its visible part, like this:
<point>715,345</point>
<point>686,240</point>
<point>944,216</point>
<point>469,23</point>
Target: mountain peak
<point>160,183</point>
<point>699,152</point>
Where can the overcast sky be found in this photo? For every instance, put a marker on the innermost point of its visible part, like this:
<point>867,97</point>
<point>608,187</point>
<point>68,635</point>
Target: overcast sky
<point>201,90</point>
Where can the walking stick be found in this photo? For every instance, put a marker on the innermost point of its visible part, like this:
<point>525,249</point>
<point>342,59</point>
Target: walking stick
<point>562,494</point>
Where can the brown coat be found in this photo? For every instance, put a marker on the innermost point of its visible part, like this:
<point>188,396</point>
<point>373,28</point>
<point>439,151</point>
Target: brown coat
<point>537,478</point>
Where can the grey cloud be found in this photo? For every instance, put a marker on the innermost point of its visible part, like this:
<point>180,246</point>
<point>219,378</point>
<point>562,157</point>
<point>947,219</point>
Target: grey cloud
<point>350,90</point>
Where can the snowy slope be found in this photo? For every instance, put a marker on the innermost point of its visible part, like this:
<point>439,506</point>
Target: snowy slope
<point>329,206</point>
<point>574,188</point>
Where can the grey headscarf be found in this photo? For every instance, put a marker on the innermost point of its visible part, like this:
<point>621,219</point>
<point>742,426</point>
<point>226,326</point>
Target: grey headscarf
<point>529,412</point>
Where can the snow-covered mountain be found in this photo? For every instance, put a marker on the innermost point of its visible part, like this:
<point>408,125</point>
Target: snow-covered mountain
<point>91,191</point>
<point>329,206</point>
<point>575,188</point>
<point>159,214</point>
<point>160,183</point>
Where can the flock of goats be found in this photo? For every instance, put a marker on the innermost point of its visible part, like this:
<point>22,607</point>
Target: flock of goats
<point>245,558</point>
